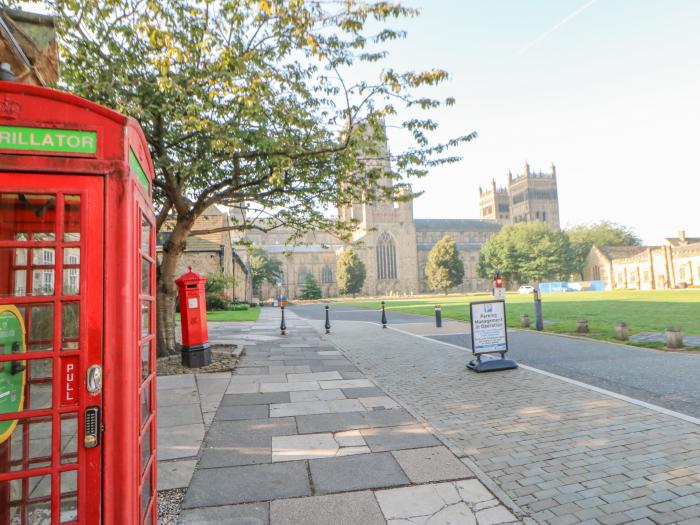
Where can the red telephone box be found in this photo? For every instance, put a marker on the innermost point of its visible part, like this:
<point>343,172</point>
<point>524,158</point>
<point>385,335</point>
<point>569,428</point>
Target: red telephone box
<point>77,287</point>
<point>193,319</point>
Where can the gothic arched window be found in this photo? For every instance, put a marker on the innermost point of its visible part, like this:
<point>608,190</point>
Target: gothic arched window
<point>327,275</point>
<point>386,257</point>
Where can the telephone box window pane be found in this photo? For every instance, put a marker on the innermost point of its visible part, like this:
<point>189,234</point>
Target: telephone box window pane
<point>145,448</point>
<point>69,496</point>
<point>145,494</point>
<point>39,369</point>
<point>35,452</point>
<point>69,438</point>
<point>71,218</point>
<point>38,487</point>
<point>20,256</point>
<point>145,360</point>
<point>70,331</point>
<point>43,257</point>
<point>145,318</point>
<point>145,277</point>
<point>40,323</point>
<point>26,215</point>
<point>71,281</point>
<point>145,235</point>
<point>43,282</point>
<point>145,403</point>
<point>39,396</point>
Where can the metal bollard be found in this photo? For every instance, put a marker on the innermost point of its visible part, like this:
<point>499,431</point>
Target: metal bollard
<point>438,316</point>
<point>328,322</point>
<point>539,323</point>
<point>383,316</point>
<point>283,325</point>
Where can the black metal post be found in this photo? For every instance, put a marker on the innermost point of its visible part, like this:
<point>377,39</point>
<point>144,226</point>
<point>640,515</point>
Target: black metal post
<point>539,323</point>
<point>328,322</point>
<point>283,325</point>
<point>438,316</point>
<point>383,316</point>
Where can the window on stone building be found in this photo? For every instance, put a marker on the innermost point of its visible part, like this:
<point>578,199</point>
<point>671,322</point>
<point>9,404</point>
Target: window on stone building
<point>646,276</point>
<point>386,257</point>
<point>544,215</point>
<point>301,276</point>
<point>327,275</point>
<point>681,273</point>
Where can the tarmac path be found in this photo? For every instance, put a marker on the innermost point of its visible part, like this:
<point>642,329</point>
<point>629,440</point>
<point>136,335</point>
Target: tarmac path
<point>665,379</point>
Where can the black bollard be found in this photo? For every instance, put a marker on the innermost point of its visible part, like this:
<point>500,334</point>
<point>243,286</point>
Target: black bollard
<point>328,322</point>
<point>383,316</point>
<point>283,325</point>
<point>539,323</point>
<point>438,316</point>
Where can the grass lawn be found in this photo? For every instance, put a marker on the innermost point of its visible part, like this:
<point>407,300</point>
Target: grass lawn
<point>643,311</point>
<point>251,314</point>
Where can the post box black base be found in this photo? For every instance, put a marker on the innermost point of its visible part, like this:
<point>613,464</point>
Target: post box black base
<point>196,356</point>
<point>488,363</point>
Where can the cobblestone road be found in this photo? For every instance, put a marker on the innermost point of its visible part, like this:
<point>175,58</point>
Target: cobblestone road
<point>564,454</point>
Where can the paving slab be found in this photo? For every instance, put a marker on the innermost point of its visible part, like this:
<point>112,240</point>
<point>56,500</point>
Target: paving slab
<point>256,399</point>
<point>175,474</point>
<point>362,392</point>
<point>289,387</point>
<point>315,395</point>
<point>244,514</point>
<point>250,431</point>
<point>241,412</point>
<point>178,415</point>
<point>176,381</point>
<point>353,420</point>
<point>180,441</point>
<point>423,465</point>
<point>177,396</point>
<point>232,485</point>
<point>346,383</point>
<point>397,438</point>
<point>255,452</point>
<point>357,508</point>
<point>358,472</point>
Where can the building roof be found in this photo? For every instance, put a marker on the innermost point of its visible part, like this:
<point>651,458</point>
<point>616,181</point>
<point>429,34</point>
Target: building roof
<point>677,241</point>
<point>460,245</point>
<point>622,252</point>
<point>461,225</point>
<point>300,248</point>
<point>28,44</point>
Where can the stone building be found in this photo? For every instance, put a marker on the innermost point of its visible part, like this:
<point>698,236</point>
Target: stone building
<point>674,264</point>
<point>214,252</point>
<point>28,45</point>
<point>392,244</point>
<point>531,196</point>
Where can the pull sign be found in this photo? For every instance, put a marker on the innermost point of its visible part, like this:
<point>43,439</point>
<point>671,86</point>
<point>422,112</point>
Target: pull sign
<point>69,373</point>
<point>92,427</point>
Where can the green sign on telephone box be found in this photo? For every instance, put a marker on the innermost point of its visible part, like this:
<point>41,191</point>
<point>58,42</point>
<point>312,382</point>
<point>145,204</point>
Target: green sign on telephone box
<point>12,373</point>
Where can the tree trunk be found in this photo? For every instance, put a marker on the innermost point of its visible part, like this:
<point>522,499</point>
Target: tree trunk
<point>173,249</point>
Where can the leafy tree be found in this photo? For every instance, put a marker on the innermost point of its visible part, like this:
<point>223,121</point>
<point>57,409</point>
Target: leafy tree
<point>217,290</point>
<point>351,272</point>
<point>263,268</point>
<point>527,252</point>
<point>311,289</point>
<point>445,268</point>
<point>245,103</point>
<point>603,233</point>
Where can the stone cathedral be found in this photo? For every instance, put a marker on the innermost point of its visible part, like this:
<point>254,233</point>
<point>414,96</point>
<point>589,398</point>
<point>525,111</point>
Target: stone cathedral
<point>394,245</point>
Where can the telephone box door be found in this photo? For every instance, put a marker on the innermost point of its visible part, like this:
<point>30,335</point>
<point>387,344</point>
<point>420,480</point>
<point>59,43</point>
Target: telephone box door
<point>51,237</point>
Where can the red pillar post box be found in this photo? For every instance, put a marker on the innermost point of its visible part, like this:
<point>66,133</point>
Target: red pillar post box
<point>193,319</point>
<point>77,313</point>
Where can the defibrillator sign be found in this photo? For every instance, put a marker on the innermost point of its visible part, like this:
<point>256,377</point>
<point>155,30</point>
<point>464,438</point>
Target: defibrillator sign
<point>12,373</point>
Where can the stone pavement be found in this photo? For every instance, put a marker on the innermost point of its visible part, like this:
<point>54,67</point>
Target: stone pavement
<point>564,454</point>
<point>302,437</point>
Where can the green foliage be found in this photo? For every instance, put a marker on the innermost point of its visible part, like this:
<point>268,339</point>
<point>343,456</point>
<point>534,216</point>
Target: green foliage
<point>445,268</point>
<point>527,252</point>
<point>603,233</point>
<point>311,289</point>
<point>216,288</point>
<point>263,268</point>
<point>243,102</point>
<point>351,272</point>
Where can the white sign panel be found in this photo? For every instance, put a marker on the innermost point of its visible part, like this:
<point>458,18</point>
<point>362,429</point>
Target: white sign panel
<point>488,321</point>
<point>499,293</point>
<point>192,302</point>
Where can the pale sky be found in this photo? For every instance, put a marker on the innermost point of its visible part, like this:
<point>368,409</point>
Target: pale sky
<point>608,90</point>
